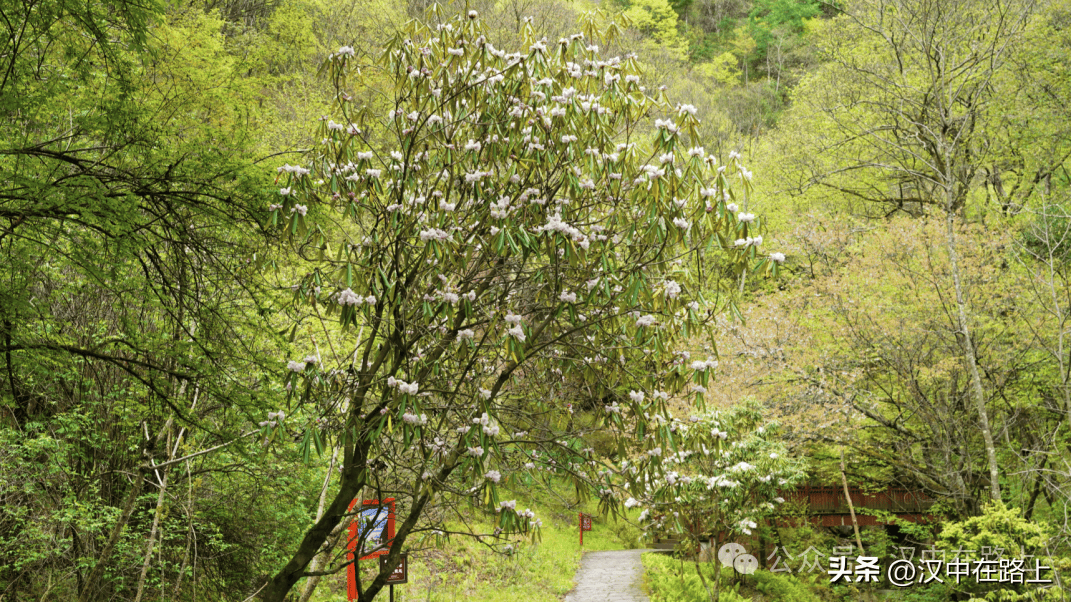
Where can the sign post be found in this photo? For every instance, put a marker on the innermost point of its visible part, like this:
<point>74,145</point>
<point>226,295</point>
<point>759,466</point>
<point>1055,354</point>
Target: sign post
<point>399,575</point>
<point>585,525</point>
<point>371,535</point>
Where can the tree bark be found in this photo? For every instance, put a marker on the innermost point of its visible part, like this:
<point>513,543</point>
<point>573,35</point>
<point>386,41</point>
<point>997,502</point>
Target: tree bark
<point>349,486</point>
<point>978,394</point>
<point>88,592</point>
<point>152,536</point>
<point>851,507</point>
<point>310,585</point>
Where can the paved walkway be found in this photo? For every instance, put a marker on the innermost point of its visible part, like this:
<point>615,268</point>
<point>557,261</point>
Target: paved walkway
<point>609,577</point>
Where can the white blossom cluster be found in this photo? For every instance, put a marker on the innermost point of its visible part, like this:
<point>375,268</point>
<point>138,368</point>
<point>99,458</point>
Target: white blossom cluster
<point>274,418</point>
<point>489,428</point>
<point>348,297</point>
<point>415,420</point>
<point>703,364</point>
<point>402,386</point>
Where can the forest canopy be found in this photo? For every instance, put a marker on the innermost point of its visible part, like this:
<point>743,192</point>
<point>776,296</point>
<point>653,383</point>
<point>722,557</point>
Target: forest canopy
<point>263,258</point>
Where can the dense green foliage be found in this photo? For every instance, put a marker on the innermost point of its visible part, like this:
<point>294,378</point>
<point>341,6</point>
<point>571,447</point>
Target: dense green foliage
<point>911,165</point>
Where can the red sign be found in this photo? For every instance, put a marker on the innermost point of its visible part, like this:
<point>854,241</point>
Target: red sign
<point>401,572</point>
<point>585,525</point>
<point>372,530</point>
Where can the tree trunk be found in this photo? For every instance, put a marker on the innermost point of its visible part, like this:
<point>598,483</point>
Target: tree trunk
<point>978,394</point>
<point>88,592</point>
<point>851,507</point>
<point>310,585</point>
<point>349,486</point>
<point>152,536</point>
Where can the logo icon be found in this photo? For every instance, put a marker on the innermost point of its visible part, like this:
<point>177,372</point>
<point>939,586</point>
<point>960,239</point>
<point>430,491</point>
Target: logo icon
<point>735,555</point>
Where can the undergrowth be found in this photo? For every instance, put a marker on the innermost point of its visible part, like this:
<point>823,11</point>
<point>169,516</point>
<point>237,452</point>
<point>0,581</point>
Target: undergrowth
<point>671,581</point>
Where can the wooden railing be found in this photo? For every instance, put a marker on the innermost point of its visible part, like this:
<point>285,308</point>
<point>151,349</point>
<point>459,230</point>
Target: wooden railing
<point>830,500</point>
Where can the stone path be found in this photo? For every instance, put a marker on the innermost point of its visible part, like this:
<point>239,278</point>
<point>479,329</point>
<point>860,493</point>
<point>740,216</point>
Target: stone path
<point>609,577</point>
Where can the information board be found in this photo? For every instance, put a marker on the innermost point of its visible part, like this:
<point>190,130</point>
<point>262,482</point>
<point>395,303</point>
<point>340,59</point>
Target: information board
<point>401,572</point>
<point>370,535</point>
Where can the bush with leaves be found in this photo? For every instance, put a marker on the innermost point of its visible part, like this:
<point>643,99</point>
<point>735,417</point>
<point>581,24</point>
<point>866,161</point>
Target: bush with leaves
<point>1003,535</point>
<point>725,473</point>
<point>514,228</point>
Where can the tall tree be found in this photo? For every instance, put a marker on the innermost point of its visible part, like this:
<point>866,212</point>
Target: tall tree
<point>126,298</point>
<point>519,241</point>
<point>904,102</point>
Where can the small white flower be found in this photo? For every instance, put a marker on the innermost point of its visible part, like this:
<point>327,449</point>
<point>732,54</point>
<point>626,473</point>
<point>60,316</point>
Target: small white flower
<point>672,289</point>
<point>568,297</point>
<point>295,366</point>
<point>681,223</point>
<point>746,217</point>
<point>647,320</point>
<point>434,234</point>
<point>284,191</point>
<point>636,396</point>
<point>777,257</point>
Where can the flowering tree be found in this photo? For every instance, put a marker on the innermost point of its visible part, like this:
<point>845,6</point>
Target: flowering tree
<point>727,472</point>
<point>513,238</point>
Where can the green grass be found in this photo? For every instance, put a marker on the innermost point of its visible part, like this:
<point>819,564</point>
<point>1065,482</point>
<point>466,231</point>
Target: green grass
<point>668,581</point>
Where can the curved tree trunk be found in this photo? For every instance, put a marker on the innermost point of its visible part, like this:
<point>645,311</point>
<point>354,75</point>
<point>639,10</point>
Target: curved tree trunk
<point>350,484</point>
